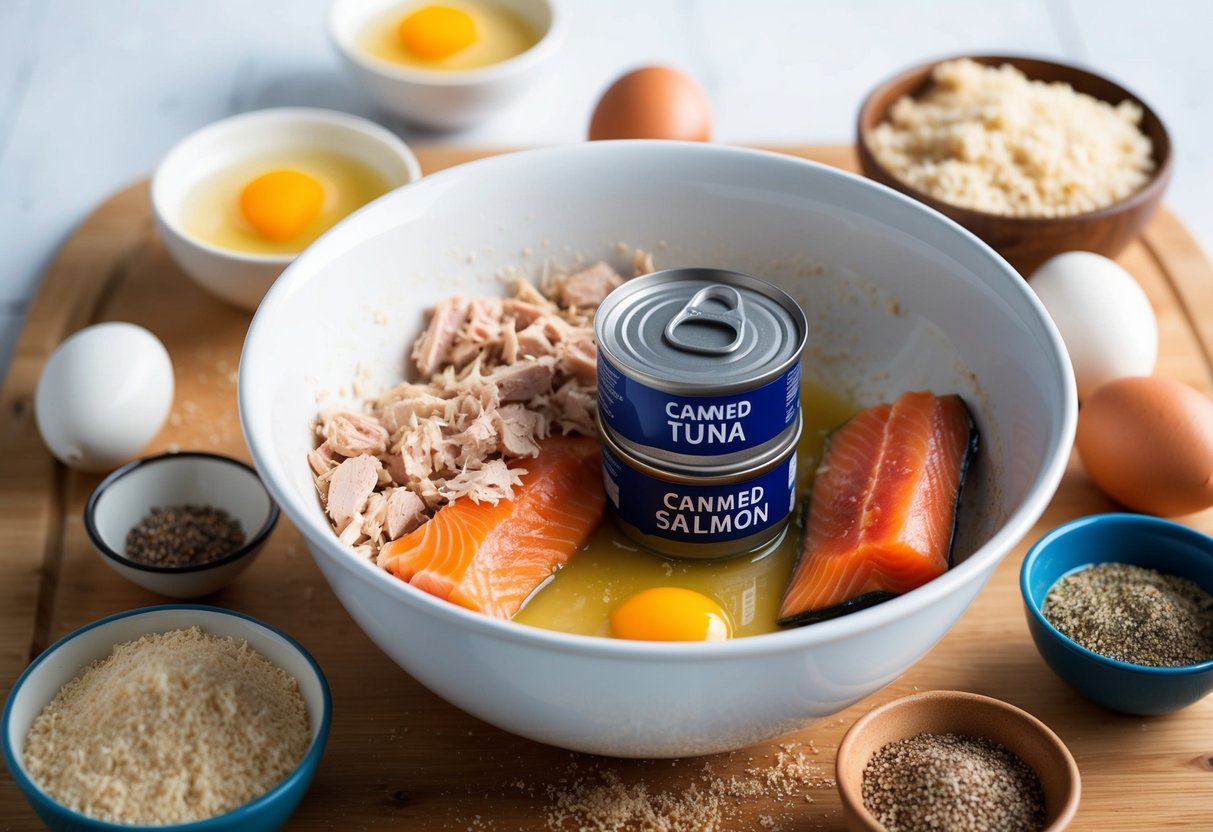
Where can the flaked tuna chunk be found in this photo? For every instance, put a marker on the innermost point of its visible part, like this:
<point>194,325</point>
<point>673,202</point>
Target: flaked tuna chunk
<point>577,408</point>
<point>519,429</point>
<point>484,320</point>
<point>432,350</point>
<point>424,451</point>
<point>420,407</point>
<point>352,532</point>
<point>525,292</point>
<point>558,329</point>
<point>509,342</point>
<point>490,482</point>
<point>523,380</point>
<point>587,288</point>
<point>354,434</point>
<point>405,512</point>
<point>525,313</point>
<point>322,483</point>
<point>393,463</point>
<point>465,352</point>
<point>579,358</point>
<point>371,522</point>
<point>321,458</point>
<point>350,487</point>
<point>477,440</point>
<point>533,341</point>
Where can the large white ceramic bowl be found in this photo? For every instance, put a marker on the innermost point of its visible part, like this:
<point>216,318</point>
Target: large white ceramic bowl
<point>897,298</point>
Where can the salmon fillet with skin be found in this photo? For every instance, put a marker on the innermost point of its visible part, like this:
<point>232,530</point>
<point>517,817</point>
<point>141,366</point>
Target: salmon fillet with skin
<point>488,557</point>
<point>883,506</point>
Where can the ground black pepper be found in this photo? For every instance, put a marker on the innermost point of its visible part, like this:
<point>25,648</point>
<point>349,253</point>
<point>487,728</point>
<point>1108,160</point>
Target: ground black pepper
<point>1134,614</point>
<point>952,782</point>
<point>183,535</point>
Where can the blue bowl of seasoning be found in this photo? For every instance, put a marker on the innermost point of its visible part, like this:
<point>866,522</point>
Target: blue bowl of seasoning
<point>67,659</point>
<point>1138,541</point>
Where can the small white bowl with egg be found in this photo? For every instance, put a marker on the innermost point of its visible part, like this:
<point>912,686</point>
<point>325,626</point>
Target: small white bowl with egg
<point>198,189</point>
<point>428,93</point>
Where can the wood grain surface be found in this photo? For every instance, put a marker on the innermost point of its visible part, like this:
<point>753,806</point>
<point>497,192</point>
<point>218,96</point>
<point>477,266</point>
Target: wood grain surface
<point>399,757</point>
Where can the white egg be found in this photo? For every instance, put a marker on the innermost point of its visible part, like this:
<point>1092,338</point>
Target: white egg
<point>1103,315</point>
<point>103,395</point>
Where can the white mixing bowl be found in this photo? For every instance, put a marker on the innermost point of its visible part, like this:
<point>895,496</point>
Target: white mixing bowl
<point>897,297</point>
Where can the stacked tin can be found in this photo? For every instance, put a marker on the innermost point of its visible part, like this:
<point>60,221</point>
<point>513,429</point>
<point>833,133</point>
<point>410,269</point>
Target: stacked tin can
<point>699,409</point>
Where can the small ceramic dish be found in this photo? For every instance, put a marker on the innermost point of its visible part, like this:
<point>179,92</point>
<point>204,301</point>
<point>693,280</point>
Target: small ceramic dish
<point>443,100</point>
<point>126,496</point>
<point>965,714</point>
<point>238,277</point>
<point>1135,539</point>
<point>64,659</point>
<point>1027,242</point>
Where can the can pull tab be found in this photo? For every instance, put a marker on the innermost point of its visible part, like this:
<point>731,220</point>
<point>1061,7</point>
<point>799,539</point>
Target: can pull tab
<point>696,312</point>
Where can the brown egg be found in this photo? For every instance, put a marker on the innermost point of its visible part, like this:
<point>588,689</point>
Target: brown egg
<point>653,102</point>
<point>1148,443</point>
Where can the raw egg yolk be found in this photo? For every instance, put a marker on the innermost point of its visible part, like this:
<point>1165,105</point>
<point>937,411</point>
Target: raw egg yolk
<point>669,613</point>
<point>281,203</point>
<point>436,32</point>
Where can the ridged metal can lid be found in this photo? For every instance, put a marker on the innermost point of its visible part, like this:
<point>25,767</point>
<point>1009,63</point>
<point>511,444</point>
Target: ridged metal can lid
<point>699,331</point>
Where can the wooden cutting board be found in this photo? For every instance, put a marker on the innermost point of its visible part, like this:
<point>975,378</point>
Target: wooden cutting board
<point>399,757</point>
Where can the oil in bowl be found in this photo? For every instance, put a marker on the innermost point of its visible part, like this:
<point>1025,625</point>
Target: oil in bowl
<point>582,595</point>
<point>278,203</point>
<point>452,36</point>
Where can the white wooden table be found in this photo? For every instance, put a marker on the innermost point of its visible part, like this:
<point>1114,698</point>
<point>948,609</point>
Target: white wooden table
<point>93,93</point>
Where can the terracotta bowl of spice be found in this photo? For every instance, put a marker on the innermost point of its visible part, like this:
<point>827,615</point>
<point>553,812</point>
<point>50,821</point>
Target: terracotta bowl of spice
<point>958,761</point>
<point>182,525</point>
<point>1121,607</point>
<point>179,717</point>
<point>1036,158</point>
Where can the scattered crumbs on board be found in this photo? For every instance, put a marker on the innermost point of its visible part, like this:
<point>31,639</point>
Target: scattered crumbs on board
<point>615,797</point>
<point>202,426</point>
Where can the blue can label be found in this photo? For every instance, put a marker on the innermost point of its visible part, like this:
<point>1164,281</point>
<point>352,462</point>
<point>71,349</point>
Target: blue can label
<point>697,425</point>
<point>694,513</point>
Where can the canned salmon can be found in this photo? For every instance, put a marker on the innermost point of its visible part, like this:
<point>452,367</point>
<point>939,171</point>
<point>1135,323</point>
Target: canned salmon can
<point>696,514</point>
<point>699,366</point>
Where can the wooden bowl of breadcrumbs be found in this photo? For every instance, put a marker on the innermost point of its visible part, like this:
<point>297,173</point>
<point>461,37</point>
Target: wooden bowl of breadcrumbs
<point>1034,157</point>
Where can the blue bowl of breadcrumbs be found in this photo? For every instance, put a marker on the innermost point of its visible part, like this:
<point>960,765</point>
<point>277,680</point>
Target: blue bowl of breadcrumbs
<point>181,677</point>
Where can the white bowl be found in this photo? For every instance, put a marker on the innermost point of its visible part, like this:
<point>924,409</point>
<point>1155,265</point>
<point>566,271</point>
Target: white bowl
<point>443,99</point>
<point>64,659</point>
<point>897,298</point>
<point>241,278</point>
<point>126,496</point>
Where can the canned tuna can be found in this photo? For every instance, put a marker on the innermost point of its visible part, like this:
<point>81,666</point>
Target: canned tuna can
<point>697,514</point>
<point>699,366</point>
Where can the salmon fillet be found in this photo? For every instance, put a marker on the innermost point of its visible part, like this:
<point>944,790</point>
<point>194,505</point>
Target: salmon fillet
<point>489,557</point>
<point>882,512</point>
